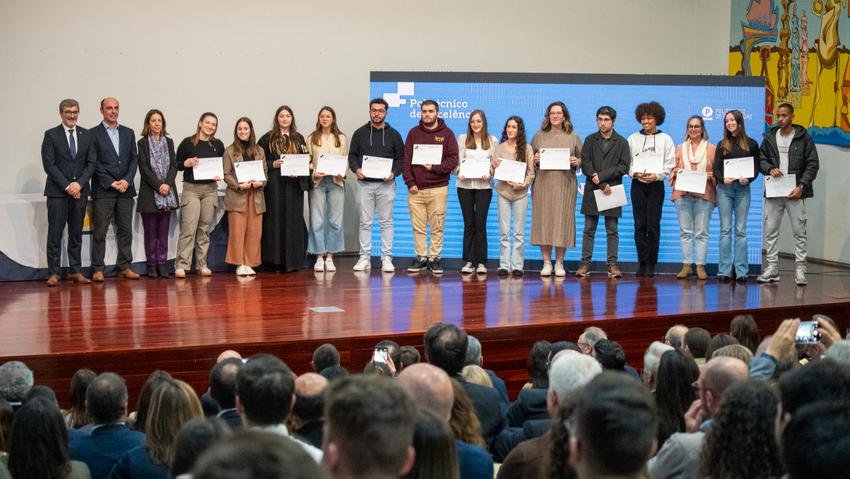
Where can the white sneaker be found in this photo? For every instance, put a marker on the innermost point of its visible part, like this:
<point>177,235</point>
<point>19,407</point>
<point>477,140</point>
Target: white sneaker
<point>468,268</point>
<point>559,270</point>
<point>250,271</point>
<point>320,264</point>
<point>547,269</point>
<point>800,275</point>
<point>387,265</point>
<point>770,275</point>
<point>481,269</point>
<point>240,270</point>
<point>363,264</point>
<point>329,265</point>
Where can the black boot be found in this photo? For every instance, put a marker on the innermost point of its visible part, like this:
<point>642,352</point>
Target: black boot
<point>162,271</point>
<point>650,270</point>
<point>641,272</point>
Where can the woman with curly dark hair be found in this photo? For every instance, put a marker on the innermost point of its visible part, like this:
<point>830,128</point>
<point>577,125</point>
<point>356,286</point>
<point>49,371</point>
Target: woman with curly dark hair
<point>673,392</point>
<point>742,439</point>
<point>76,417</point>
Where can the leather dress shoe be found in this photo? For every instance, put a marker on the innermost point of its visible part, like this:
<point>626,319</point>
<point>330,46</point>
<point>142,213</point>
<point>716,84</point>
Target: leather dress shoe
<point>78,278</point>
<point>53,280</point>
<point>97,277</point>
<point>128,274</point>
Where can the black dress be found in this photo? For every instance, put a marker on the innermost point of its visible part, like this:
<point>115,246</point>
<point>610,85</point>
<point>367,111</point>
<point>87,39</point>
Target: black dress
<point>284,243</point>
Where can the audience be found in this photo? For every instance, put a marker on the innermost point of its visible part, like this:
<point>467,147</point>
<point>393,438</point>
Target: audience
<point>377,369</point>
<point>196,436</point>
<point>76,417</point>
<point>436,454</point>
<point>816,441</point>
<point>474,357</point>
<point>325,356</point>
<point>839,352</point>
<point>696,344</point>
<point>223,390</point>
<point>718,341</point>
<point>651,360</point>
<point>675,336</point>
<point>394,352</point>
<point>334,372</point>
<point>16,380</point>
<point>257,455</point>
<point>588,339</point>
<point>140,417</point>
<point>531,402</point>
<point>210,407</point>
<point>7,416</point>
<point>736,351</point>
<point>309,408</point>
<point>674,393</point>
<point>476,375</point>
<point>409,356</point>
<point>464,422</point>
<point>745,330</point>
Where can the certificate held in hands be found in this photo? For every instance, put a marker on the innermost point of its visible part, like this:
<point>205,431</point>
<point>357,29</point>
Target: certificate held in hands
<point>208,168</point>
<point>691,181</point>
<point>554,158</point>
<point>510,170</point>
<point>779,187</point>
<point>295,165</point>
<point>376,167</point>
<point>616,199</point>
<point>249,170</point>
<point>333,165</point>
<point>738,168</point>
<point>648,162</point>
<point>474,167</point>
<point>427,154</point>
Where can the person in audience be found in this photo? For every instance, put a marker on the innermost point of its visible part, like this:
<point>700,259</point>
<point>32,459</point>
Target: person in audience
<point>822,381</point>
<point>696,342</point>
<point>839,352</point>
<point>307,413</point>
<point>394,351</point>
<point>588,339</point>
<point>76,416</point>
<point>327,196</point>
<point>512,196</point>
<point>445,347</point>
<point>41,392</point>
<point>529,448</point>
<point>195,437</point>
<point>610,355</point>
<point>531,402</point>
<point>7,416</point>
<point>734,351</point>
<point>676,336</point>
<point>464,423</point>
<point>243,200</point>
<point>816,441</point>
<point>559,346</point>
<point>106,403</point>
<point>674,392</point>
<point>694,209</point>
<point>377,369</point>
<point>207,402</point>
<point>746,331</point>
<point>39,444</point>
<point>718,341</point>
<point>199,197</point>
<point>140,417</point>
<point>334,372</point>
<point>474,357</point>
<point>369,429</point>
<point>475,194</point>
<point>325,356</point>
<point>16,380</point>
<point>157,190</point>
<point>409,356</point>
<point>651,360</point>
<point>476,375</point>
<point>223,391</point>
<point>173,404</point>
<point>265,389</point>
<point>257,455</point>
<point>432,391</point>
<point>436,454</point>
<point>742,438</point>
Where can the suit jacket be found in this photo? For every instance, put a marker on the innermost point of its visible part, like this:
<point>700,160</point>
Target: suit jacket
<point>474,461</point>
<point>104,447</point>
<point>150,182</point>
<point>488,408</point>
<point>499,386</point>
<point>137,462</point>
<point>609,167</point>
<point>61,169</point>
<point>531,404</point>
<point>112,166</point>
<point>232,419</point>
<point>236,199</point>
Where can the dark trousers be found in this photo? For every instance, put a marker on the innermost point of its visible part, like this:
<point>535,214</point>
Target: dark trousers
<point>156,236</point>
<point>59,212</point>
<point>104,210</point>
<point>647,199</point>
<point>474,204</point>
<point>590,224</point>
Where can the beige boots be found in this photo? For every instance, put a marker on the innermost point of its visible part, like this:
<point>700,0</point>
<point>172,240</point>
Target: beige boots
<point>686,271</point>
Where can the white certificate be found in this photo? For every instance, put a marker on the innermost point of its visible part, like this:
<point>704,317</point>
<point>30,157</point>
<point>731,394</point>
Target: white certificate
<point>691,181</point>
<point>249,170</point>
<point>332,164</point>
<point>738,168</point>
<point>648,162</point>
<point>427,154</point>
<point>554,158</point>
<point>616,199</point>
<point>510,170</point>
<point>474,167</point>
<point>208,168</point>
<point>376,167</point>
<point>779,187</point>
<point>295,165</point>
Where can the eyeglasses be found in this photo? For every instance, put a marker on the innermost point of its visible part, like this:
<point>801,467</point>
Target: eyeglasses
<point>71,113</point>
<point>695,127</point>
<point>377,111</point>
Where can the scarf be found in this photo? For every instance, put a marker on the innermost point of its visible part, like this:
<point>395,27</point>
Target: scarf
<point>697,160</point>
<point>160,164</point>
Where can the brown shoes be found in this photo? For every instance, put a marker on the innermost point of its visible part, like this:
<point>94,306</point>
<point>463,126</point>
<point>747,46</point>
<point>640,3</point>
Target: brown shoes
<point>78,278</point>
<point>614,271</point>
<point>701,274</point>
<point>583,270</point>
<point>128,274</point>
<point>53,280</point>
<point>97,277</point>
<point>686,271</point>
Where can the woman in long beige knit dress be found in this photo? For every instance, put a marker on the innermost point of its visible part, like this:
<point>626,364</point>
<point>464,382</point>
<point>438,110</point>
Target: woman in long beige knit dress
<point>554,192</point>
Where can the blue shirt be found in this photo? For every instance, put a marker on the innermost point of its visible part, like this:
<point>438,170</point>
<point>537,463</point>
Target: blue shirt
<point>113,135</point>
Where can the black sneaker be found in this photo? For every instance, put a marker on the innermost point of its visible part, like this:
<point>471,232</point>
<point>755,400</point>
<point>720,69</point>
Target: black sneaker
<point>641,270</point>
<point>417,265</point>
<point>435,266</point>
<point>649,271</point>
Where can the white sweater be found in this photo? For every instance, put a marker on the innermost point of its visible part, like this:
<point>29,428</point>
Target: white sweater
<point>462,152</point>
<point>661,143</point>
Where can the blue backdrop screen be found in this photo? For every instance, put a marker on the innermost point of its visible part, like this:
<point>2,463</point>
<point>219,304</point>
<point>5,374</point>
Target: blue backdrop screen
<point>501,95</point>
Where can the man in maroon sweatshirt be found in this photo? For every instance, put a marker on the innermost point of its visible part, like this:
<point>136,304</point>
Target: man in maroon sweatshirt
<point>428,184</point>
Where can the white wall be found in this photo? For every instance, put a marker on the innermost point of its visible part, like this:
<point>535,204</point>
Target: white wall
<point>247,58</point>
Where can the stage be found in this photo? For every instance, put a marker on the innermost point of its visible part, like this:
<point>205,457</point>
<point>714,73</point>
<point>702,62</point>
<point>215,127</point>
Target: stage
<point>135,327</point>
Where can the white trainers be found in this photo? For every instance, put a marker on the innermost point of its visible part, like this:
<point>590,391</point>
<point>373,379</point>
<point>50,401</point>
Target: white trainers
<point>481,269</point>
<point>547,269</point>
<point>240,270</point>
<point>559,270</point>
<point>250,271</point>
<point>320,264</point>
<point>468,268</point>
<point>800,275</point>
<point>329,265</point>
<point>363,264</point>
<point>770,275</point>
<point>387,265</point>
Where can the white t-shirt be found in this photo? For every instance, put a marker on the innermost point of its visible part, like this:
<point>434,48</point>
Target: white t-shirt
<point>784,143</point>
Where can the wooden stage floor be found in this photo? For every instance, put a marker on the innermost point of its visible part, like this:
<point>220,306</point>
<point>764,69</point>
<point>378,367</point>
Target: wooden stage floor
<point>134,327</point>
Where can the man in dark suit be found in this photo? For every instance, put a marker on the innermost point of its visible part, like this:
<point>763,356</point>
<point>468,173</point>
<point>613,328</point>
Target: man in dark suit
<point>106,403</point>
<point>113,190</point>
<point>223,390</point>
<point>69,161</point>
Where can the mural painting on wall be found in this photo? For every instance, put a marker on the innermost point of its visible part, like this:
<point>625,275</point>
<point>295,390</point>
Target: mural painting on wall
<point>797,46</point>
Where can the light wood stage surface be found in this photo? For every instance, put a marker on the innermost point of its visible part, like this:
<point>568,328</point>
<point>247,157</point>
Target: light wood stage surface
<point>181,326</point>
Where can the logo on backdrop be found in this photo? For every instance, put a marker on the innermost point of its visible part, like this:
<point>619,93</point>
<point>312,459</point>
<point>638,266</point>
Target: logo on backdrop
<point>707,113</point>
<point>395,99</point>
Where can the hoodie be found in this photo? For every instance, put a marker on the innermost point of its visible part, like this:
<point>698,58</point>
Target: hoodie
<point>418,175</point>
<point>381,142</point>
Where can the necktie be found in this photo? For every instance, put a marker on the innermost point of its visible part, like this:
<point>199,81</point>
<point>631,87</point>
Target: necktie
<point>73,144</point>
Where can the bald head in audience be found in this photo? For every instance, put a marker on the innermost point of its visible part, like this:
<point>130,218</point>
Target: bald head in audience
<point>717,375</point>
<point>228,354</point>
<point>430,388</point>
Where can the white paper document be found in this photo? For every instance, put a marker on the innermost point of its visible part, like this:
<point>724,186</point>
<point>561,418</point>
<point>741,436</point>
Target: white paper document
<point>510,170</point>
<point>779,187</point>
<point>427,154</point>
<point>295,165</point>
<point>249,170</point>
<point>376,167</point>
<point>691,181</point>
<point>648,162</point>
<point>616,199</point>
<point>554,158</point>
<point>474,167</point>
<point>208,168</point>
<point>739,168</point>
<point>332,164</point>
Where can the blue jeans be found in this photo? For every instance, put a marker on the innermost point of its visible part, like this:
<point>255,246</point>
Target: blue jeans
<point>507,260</point>
<point>694,215</point>
<point>733,199</point>
<point>327,203</point>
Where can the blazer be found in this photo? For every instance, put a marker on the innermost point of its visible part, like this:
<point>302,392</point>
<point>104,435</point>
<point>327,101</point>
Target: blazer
<point>113,167</point>
<point>609,167</point>
<point>488,408</point>
<point>236,199</point>
<point>150,182</point>
<point>104,447</point>
<point>61,169</point>
<point>137,463</point>
<point>531,404</point>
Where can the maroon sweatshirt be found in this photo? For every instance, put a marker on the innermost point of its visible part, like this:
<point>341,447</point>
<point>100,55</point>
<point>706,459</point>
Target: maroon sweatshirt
<point>418,175</point>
